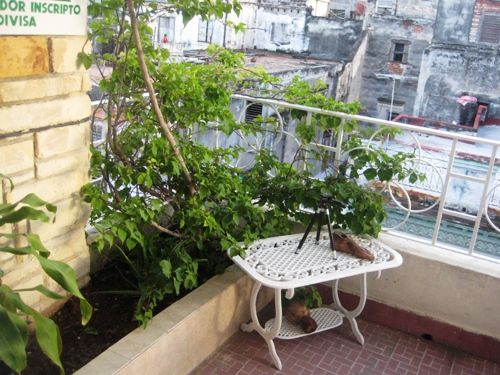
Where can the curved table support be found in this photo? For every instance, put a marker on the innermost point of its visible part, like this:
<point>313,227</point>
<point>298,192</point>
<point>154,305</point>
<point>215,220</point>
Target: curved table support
<point>275,263</point>
<point>351,315</point>
<point>267,334</point>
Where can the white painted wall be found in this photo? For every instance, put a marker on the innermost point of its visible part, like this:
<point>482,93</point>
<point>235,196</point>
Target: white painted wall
<point>320,8</point>
<point>445,286</point>
<point>356,67</point>
<point>267,28</point>
<point>275,29</point>
<point>417,8</point>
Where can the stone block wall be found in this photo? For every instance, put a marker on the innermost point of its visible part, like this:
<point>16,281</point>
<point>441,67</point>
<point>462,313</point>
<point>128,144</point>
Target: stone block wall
<point>44,149</point>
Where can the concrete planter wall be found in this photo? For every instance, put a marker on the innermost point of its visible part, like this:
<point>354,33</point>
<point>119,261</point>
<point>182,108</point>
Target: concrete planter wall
<point>431,285</point>
<point>183,335</point>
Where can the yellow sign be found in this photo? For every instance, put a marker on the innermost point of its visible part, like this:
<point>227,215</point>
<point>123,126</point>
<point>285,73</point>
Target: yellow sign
<point>42,17</point>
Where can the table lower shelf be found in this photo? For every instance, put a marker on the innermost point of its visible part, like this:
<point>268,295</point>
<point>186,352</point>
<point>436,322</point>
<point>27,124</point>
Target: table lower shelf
<point>325,317</point>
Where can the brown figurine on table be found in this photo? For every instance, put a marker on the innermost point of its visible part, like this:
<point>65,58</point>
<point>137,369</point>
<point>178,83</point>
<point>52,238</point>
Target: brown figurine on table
<point>343,243</point>
<point>298,313</point>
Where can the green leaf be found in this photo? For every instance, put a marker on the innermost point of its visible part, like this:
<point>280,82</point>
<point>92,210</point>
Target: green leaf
<point>131,243</point>
<point>385,174</point>
<point>42,289</point>
<point>177,286</point>
<point>48,338</point>
<point>65,276</point>
<point>84,59</point>
<point>17,250</point>
<point>22,214</point>
<point>413,178</point>
<point>122,235</point>
<point>370,173</point>
<point>31,200</point>
<point>36,244</point>
<point>46,331</point>
<point>13,339</point>
<point>166,267</point>
<point>34,200</point>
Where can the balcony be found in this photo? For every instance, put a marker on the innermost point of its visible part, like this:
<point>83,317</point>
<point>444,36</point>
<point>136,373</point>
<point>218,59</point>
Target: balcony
<point>447,230</point>
<point>387,351</point>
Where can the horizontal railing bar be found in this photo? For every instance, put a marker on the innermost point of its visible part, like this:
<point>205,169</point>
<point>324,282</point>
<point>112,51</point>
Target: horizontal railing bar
<point>467,177</point>
<point>460,137</point>
<point>450,136</point>
<point>329,148</point>
<point>98,143</point>
<point>419,129</point>
<point>460,215</point>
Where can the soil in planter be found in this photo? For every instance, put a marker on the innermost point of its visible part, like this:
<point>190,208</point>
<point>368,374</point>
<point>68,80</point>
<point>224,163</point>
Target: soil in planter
<point>112,320</point>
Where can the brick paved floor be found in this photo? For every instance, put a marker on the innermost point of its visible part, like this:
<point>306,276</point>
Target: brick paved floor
<point>386,351</point>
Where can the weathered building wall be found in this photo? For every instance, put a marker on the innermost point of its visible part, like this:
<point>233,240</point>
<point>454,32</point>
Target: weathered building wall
<point>448,71</point>
<point>416,8</point>
<point>329,38</point>
<point>44,148</point>
<point>453,21</point>
<point>379,65</point>
<point>279,28</point>
<point>456,63</point>
<point>355,68</point>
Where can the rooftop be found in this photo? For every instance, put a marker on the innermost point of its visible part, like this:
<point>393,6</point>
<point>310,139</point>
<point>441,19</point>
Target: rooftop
<point>272,62</point>
<point>282,62</point>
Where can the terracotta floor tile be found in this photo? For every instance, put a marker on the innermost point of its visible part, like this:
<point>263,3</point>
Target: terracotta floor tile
<point>336,352</point>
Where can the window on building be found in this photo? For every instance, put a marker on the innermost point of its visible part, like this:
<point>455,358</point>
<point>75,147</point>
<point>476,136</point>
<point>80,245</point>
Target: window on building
<point>205,31</point>
<point>253,111</point>
<point>399,51</point>
<point>166,26</point>
<point>385,7</point>
<point>489,30</point>
<point>392,116</point>
<point>388,111</point>
<point>337,13</point>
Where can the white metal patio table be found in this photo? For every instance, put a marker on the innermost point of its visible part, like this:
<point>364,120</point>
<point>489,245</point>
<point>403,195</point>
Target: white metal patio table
<point>275,263</point>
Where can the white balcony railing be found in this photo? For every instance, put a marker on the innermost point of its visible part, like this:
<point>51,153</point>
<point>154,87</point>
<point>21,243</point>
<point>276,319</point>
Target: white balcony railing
<point>456,208</point>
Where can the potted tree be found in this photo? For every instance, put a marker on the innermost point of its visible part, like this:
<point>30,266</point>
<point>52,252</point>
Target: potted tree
<point>169,205</point>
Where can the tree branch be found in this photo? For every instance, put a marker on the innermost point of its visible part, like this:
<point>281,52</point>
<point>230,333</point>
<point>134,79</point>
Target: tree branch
<point>165,230</point>
<point>154,102</point>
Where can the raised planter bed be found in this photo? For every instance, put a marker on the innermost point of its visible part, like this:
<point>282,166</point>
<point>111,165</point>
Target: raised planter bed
<point>180,337</point>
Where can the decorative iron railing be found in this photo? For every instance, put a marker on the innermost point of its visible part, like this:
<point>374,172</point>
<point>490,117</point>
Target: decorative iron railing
<point>457,207</point>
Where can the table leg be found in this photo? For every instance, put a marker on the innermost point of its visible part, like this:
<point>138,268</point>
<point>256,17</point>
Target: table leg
<point>267,334</point>
<point>352,314</point>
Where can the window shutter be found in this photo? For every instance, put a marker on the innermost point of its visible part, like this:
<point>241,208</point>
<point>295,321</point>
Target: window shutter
<point>490,28</point>
<point>253,111</point>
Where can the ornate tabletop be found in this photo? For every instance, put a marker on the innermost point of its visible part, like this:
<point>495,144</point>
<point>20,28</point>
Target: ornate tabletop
<point>277,263</point>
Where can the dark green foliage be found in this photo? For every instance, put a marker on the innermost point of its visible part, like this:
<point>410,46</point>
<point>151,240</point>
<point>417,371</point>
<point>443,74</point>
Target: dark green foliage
<point>142,207</point>
<point>13,311</point>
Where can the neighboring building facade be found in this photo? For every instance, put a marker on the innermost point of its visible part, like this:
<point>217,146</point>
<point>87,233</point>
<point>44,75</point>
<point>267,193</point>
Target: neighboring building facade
<point>413,57</point>
<point>462,59</point>
<point>391,66</point>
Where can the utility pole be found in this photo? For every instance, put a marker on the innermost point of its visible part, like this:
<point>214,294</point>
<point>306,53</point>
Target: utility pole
<point>394,78</point>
